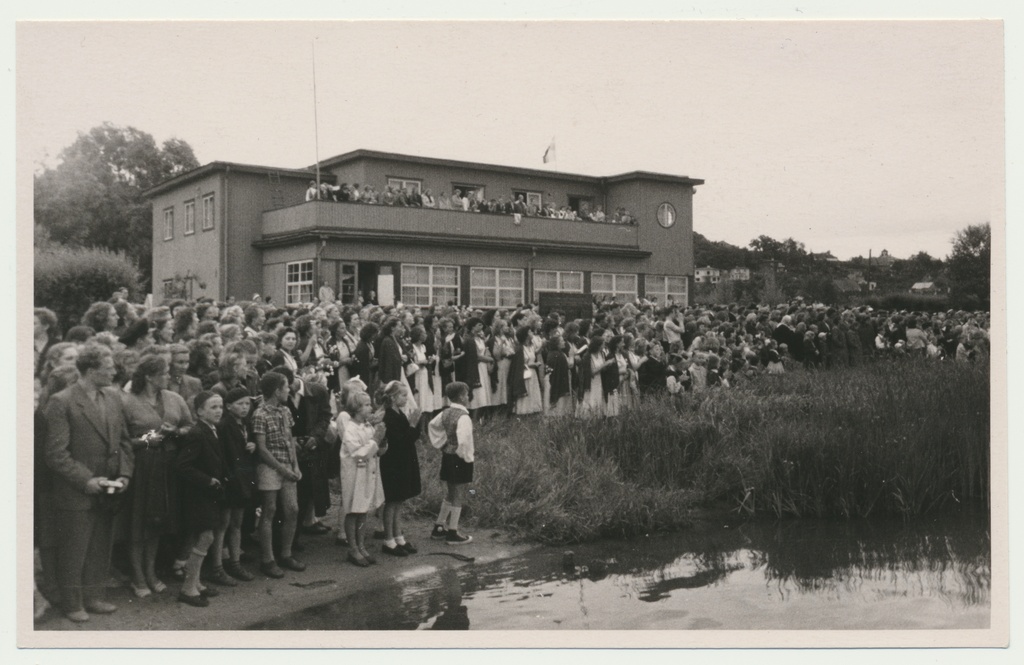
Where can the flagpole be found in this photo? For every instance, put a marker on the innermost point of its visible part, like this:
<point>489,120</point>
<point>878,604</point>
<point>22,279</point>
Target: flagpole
<point>316,123</point>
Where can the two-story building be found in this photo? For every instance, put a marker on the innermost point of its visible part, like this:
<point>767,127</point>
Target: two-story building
<point>707,275</point>
<point>228,229</point>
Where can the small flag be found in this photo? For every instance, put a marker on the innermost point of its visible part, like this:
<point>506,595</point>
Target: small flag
<point>549,154</point>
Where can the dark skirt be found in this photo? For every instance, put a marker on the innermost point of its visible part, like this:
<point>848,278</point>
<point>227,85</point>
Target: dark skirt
<point>154,493</point>
<point>400,472</point>
<point>456,470</point>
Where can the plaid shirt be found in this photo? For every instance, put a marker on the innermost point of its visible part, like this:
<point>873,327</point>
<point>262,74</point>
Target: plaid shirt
<point>275,423</point>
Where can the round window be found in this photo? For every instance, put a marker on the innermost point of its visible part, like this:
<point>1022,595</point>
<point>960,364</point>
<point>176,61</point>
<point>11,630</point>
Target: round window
<point>666,215</point>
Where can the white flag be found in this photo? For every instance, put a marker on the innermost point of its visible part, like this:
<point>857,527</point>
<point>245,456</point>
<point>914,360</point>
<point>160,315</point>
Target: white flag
<point>549,154</point>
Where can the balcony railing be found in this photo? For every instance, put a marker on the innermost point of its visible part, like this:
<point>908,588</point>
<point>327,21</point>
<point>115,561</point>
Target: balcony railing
<point>357,219</point>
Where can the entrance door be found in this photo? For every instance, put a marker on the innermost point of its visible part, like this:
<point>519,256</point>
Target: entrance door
<point>366,279</point>
<point>348,282</point>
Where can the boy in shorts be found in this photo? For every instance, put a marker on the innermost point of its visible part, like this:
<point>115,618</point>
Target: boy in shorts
<point>277,474</point>
<point>452,432</point>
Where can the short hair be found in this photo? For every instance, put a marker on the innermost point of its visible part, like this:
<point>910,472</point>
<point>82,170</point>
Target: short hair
<point>96,316</point>
<point>270,383</point>
<point>252,312</point>
<point>92,356</point>
<point>284,331</point>
<point>79,334</point>
<point>353,400</point>
<point>149,366</point>
<point>387,393</point>
<point>177,349</point>
<point>200,400</point>
<point>47,318</point>
<point>303,325</point>
<point>456,390</point>
<point>284,371</point>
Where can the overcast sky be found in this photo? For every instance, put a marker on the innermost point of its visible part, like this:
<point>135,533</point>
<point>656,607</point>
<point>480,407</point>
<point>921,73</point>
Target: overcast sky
<point>849,136</point>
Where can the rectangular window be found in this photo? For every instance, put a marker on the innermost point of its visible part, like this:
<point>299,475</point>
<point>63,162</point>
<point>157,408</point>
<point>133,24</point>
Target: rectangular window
<point>495,287</point>
<point>621,288</point>
<point>660,288</point>
<point>581,204</point>
<point>556,280</point>
<point>190,217</point>
<point>403,183</point>
<point>469,191</point>
<point>169,223</point>
<point>530,198</point>
<point>425,285</point>
<point>208,212</point>
<point>299,282</point>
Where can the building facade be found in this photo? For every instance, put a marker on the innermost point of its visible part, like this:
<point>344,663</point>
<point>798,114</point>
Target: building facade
<point>234,230</point>
<point>707,275</point>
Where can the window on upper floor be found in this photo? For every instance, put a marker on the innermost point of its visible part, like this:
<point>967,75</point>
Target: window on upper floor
<point>530,197</point>
<point>209,212</point>
<point>405,183</point>
<point>190,217</point>
<point>169,223</point>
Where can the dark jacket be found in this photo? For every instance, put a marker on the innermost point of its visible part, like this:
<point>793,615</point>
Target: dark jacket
<point>202,457</point>
<point>241,485</point>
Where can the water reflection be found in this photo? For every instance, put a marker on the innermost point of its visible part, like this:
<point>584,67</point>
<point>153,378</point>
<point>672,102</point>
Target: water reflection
<point>798,574</point>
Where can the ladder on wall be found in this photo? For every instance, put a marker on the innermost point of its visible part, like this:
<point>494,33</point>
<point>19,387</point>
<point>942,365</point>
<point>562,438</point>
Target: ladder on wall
<point>276,193</point>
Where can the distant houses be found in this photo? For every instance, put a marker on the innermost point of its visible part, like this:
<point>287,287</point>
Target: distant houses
<point>710,275</point>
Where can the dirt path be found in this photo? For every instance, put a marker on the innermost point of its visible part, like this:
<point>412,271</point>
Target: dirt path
<point>327,578</point>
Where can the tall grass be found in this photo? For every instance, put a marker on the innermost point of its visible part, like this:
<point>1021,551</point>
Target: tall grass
<point>893,438</point>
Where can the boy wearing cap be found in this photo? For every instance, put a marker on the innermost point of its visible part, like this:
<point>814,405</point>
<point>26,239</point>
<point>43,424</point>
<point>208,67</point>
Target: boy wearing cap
<point>240,490</point>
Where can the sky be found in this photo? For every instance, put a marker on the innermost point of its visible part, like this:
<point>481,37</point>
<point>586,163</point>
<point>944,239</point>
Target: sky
<point>849,136</point>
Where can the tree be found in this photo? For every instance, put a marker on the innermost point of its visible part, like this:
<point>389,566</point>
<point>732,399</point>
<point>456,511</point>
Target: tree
<point>93,198</point>
<point>970,269</point>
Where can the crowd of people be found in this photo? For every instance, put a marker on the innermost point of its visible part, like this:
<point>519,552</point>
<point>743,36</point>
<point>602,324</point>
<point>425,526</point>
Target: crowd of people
<point>468,201</point>
<point>199,431</point>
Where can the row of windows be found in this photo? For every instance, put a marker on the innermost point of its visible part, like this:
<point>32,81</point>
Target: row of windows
<point>209,213</point>
<point>424,285</point>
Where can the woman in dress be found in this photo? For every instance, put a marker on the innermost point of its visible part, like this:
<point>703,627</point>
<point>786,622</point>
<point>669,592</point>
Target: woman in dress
<point>560,390</point>
<point>611,377</point>
<point>477,352</point>
<point>399,464</point>
<point>287,343</point>
<point>361,488</point>
<point>155,417</point>
<point>423,378</point>
<point>592,363</point>
<point>341,350</point>
<point>502,350</point>
<point>365,367</point>
<point>531,401</point>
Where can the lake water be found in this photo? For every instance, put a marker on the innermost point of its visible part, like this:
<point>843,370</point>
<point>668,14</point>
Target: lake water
<point>932,573</point>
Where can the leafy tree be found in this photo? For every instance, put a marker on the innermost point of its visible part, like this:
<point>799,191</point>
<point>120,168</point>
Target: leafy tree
<point>970,269</point>
<point>93,198</point>
<point>68,280</point>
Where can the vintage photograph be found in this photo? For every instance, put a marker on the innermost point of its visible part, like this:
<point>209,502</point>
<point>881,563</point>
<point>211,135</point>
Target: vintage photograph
<point>565,326</point>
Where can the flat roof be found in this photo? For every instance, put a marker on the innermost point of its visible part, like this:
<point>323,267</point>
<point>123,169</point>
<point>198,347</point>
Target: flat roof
<point>362,153</point>
<point>213,167</point>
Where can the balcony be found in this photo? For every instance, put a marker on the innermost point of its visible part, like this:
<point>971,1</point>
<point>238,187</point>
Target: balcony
<point>379,223</point>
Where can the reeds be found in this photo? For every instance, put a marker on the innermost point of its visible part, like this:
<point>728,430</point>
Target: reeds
<point>895,438</point>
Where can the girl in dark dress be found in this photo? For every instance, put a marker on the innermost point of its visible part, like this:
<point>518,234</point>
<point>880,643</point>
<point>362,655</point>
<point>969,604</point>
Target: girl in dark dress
<point>203,469</point>
<point>240,490</point>
<point>399,466</point>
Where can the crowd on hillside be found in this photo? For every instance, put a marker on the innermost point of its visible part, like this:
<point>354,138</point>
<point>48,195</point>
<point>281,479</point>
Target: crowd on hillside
<point>167,428</point>
<point>469,201</point>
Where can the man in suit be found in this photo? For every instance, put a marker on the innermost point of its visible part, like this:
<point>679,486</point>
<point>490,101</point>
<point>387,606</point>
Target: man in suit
<point>310,406</point>
<point>89,451</point>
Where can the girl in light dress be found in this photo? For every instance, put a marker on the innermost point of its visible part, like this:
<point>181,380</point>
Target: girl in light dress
<point>362,492</point>
<point>426,385</point>
<point>502,350</point>
<point>593,362</point>
<point>532,401</point>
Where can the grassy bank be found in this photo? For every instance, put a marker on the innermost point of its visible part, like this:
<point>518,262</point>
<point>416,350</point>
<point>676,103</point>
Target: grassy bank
<point>894,438</point>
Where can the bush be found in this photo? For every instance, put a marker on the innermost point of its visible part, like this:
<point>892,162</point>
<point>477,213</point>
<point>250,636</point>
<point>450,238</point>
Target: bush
<point>68,280</point>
